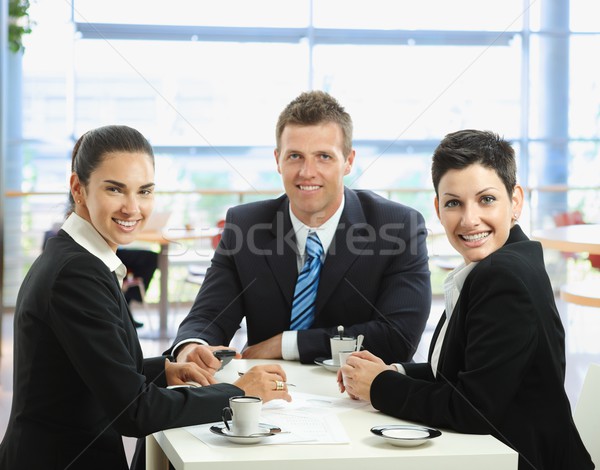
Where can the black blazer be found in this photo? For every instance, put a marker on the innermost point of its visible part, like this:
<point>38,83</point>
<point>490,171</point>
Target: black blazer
<point>80,381</point>
<point>375,279</point>
<point>502,364</point>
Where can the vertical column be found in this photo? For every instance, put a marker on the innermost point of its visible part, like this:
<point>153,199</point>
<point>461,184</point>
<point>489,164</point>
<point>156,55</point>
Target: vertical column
<point>13,177</point>
<point>3,114</point>
<point>554,100</point>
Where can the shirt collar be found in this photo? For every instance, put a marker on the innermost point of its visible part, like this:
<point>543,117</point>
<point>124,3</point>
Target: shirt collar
<point>326,231</point>
<point>454,283</point>
<point>88,237</point>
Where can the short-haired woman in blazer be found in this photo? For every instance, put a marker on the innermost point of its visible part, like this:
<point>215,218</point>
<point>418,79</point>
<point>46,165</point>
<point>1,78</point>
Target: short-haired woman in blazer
<point>497,358</point>
<point>80,380</point>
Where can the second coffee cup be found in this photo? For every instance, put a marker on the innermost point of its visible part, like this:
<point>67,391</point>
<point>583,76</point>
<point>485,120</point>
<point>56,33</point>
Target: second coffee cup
<point>345,343</point>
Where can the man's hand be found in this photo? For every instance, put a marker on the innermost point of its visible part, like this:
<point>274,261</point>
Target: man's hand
<point>202,355</point>
<point>267,349</point>
<point>184,373</point>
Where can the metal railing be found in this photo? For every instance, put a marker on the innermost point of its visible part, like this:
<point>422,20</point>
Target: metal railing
<point>29,214</point>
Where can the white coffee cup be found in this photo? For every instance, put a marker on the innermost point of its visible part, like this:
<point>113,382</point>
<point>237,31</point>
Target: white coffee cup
<point>345,343</point>
<point>244,412</point>
<point>344,355</point>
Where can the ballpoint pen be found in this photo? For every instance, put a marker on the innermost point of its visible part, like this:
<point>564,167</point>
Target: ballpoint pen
<point>287,383</point>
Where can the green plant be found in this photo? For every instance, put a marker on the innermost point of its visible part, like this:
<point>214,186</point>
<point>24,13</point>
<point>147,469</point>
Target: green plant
<point>19,23</point>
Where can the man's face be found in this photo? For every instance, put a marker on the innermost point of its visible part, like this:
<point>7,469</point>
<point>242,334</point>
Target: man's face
<point>312,165</point>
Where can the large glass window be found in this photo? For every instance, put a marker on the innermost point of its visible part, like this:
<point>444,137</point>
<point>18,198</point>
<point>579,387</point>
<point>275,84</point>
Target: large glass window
<point>205,81</point>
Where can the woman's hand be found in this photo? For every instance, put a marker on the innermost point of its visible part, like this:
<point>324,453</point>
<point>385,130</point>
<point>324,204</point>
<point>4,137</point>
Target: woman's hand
<point>182,373</point>
<point>358,374</point>
<point>261,381</point>
<point>202,355</point>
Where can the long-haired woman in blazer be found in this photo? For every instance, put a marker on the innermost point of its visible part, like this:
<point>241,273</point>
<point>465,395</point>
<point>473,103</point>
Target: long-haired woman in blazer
<point>80,380</point>
<point>497,358</point>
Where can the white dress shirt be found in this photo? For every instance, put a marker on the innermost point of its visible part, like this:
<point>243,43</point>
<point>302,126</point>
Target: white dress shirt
<point>326,232</point>
<point>453,284</point>
<point>88,237</point>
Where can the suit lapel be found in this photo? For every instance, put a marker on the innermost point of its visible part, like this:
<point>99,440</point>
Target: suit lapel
<point>436,334</point>
<point>452,325</point>
<point>341,254</point>
<point>284,252</point>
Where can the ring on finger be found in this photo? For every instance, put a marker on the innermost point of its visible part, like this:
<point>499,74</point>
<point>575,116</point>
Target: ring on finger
<point>279,385</point>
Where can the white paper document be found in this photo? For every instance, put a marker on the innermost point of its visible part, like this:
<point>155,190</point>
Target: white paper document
<point>308,419</point>
<point>306,427</point>
<point>316,403</point>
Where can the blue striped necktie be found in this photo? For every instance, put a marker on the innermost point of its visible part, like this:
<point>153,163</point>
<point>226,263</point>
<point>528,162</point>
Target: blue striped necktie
<point>305,295</point>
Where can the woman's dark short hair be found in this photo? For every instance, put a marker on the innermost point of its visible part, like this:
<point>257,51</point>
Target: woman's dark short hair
<point>461,149</point>
<point>93,146</point>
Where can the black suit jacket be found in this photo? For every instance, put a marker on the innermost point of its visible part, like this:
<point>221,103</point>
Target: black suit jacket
<point>502,364</point>
<point>374,281</point>
<point>80,381</point>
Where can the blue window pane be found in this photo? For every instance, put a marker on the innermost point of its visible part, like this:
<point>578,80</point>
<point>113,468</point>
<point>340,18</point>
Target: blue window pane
<point>584,87</point>
<point>424,14</point>
<point>452,87</point>
<point>584,15</point>
<point>188,93</point>
<point>294,13</point>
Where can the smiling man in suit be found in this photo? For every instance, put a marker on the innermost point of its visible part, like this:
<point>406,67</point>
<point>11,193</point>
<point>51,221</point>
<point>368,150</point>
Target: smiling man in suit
<point>320,256</point>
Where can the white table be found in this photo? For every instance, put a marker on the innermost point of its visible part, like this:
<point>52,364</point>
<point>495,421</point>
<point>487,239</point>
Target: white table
<point>571,238</point>
<point>450,451</point>
<point>575,238</point>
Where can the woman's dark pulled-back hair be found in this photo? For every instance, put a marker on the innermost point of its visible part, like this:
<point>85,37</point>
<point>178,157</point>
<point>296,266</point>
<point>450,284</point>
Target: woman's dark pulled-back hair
<point>93,146</point>
<point>461,149</point>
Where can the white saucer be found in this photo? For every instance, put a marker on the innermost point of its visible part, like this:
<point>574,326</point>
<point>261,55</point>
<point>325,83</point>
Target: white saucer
<point>266,430</point>
<point>405,435</point>
<point>327,363</point>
